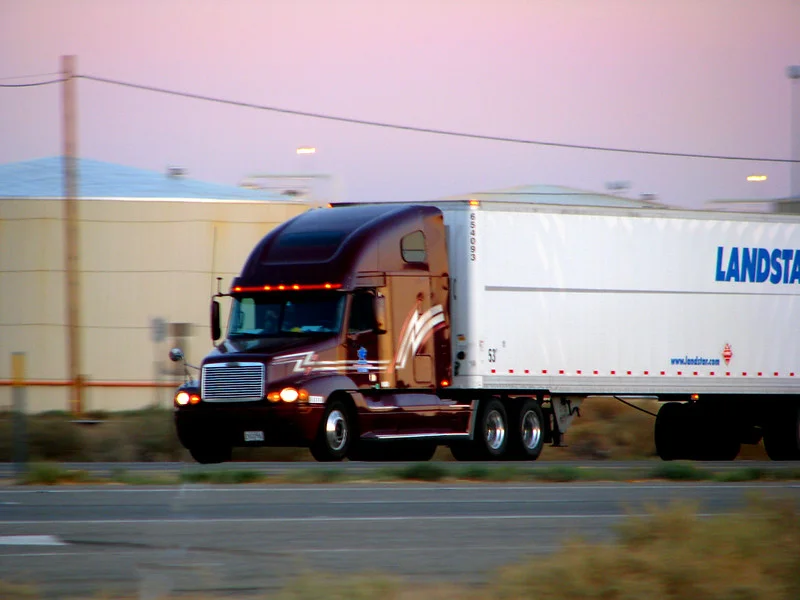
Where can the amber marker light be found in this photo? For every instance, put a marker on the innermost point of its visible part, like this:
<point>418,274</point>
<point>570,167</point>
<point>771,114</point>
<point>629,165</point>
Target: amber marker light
<point>474,202</point>
<point>281,287</point>
<point>182,398</point>
<point>302,395</point>
<point>274,396</point>
<point>295,287</point>
<point>445,383</point>
<point>194,399</point>
<point>695,396</point>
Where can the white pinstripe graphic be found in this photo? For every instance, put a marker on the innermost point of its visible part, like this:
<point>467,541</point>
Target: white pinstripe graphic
<point>418,328</point>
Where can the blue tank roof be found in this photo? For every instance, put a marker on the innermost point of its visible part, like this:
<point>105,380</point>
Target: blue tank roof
<point>43,178</point>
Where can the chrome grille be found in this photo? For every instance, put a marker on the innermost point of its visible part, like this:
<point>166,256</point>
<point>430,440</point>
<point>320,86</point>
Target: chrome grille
<point>233,382</point>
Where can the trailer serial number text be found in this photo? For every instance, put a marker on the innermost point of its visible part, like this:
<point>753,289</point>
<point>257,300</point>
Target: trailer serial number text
<point>472,218</point>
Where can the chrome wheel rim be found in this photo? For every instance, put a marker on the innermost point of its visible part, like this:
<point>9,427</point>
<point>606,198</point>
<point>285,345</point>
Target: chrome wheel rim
<point>495,430</point>
<point>336,430</point>
<point>531,430</point>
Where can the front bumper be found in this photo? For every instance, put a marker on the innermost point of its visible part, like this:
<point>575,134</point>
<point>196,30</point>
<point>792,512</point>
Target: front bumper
<point>226,424</point>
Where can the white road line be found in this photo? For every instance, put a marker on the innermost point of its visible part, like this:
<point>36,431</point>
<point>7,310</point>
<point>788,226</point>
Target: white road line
<point>30,540</point>
<point>331,519</point>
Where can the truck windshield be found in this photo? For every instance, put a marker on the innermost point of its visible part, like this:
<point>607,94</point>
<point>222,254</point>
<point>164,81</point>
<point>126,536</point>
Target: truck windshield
<point>286,314</point>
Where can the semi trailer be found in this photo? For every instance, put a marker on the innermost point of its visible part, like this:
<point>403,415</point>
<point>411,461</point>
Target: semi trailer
<point>381,331</point>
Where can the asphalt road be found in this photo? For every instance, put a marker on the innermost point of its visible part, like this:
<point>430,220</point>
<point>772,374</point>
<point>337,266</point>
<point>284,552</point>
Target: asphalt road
<point>80,541</point>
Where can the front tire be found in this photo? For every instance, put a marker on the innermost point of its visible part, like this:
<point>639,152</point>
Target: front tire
<point>210,454</point>
<point>335,434</point>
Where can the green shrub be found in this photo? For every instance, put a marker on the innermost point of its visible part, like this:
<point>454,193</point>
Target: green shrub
<point>557,474</point>
<point>679,471</point>
<point>316,476</point>
<point>50,474</point>
<point>221,476</point>
<point>423,471</point>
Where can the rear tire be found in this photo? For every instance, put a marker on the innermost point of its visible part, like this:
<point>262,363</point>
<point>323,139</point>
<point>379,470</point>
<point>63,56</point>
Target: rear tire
<point>527,432</point>
<point>335,434</point>
<point>492,432</point>
<point>671,431</point>
<point>782,434</point>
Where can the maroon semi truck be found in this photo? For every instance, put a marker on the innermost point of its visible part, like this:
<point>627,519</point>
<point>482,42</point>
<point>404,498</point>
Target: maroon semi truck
<point>382,331</point>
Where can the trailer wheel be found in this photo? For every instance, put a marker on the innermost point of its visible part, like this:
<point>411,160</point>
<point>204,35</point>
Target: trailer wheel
<point>528,432</point>
<point>492,440</point>
<point>669,427</point>
<point>209,454</point>
<point>715,435</point>
<point>782,434</point>
<point>335,434</point>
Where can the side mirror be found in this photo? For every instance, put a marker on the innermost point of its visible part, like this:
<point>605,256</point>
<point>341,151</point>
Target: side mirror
<point>176,355</point>
<point>215,329</point>
<point>379,309</point>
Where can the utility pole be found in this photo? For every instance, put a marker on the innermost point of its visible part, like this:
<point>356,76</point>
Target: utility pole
<point>70,158</point>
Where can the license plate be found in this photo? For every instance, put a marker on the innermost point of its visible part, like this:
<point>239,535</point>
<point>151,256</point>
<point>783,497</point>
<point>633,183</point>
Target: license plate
<point>253,436</point>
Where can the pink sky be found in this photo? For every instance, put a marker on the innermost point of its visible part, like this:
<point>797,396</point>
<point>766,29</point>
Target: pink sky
<point>699,76</point>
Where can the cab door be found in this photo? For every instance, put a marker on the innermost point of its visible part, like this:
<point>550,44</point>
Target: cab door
<point>363,363</point>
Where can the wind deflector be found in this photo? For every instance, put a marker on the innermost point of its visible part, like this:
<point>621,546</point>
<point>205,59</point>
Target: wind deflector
<point>317,235</point>
<point>304,246</point>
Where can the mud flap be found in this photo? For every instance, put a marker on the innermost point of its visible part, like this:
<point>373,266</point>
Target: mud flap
<point>564,410</point>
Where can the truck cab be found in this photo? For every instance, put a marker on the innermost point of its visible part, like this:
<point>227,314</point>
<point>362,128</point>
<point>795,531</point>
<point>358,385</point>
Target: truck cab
<point>338,338</point>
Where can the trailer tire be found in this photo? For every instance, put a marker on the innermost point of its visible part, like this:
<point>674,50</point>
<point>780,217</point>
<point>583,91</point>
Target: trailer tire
<point>210,454</point>
<point>527,432</point>
<point>670,424</point>
<point>782,435</point>
<point>492,432</point>
<point>335,434</point>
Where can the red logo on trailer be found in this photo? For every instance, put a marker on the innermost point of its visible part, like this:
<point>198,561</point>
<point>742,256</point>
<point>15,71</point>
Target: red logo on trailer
<point>727,354</point>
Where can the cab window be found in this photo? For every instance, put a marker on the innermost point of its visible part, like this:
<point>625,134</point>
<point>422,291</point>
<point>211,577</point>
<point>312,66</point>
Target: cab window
<point>362,313</point>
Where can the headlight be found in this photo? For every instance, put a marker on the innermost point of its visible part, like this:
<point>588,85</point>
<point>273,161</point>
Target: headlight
<point>182,398</point>
<point>289,394</point>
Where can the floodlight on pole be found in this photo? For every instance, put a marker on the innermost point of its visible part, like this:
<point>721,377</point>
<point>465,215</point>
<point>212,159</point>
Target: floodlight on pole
<point>793,73</point>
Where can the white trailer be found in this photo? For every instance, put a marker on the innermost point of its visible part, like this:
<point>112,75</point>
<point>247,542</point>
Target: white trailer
<point>698,307</point>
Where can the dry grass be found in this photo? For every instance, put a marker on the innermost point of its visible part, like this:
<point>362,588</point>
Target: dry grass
<point>671,554</point>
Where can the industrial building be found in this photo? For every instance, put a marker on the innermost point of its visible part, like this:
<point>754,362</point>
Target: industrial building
<point>151,245</point>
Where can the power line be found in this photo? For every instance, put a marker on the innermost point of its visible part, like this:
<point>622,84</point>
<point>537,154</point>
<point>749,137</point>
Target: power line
<point>461,134</point>
<point>25,85</point>
<point>10,77</point>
